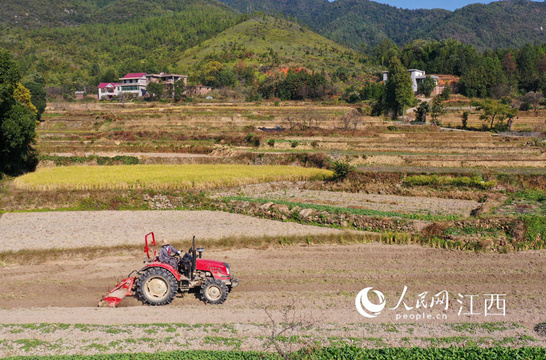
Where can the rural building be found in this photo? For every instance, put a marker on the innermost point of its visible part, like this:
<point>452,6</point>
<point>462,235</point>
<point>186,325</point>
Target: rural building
<point>166,79</point>
<point>136,84</point>
<point>195,90</point>
<point>109,90</point>
<point>447,80</point>
<point>417,77</point>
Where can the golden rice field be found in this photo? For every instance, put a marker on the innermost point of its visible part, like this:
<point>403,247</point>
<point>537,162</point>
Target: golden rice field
<point>195,176</point>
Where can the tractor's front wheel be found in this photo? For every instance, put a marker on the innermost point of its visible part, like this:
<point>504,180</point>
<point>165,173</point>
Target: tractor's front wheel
<point>214,291</point>
<point>156,287</point>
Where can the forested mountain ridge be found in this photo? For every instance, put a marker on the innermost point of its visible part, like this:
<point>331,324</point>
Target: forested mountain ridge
<point>37,13</point>
<point>360,24</point>
<point>364,23</point>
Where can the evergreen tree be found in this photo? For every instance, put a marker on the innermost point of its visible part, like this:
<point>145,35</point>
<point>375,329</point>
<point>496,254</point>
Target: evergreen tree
<point>398,91</point>
<point>155,90</point>
<point>422,111</point>
<point>386,51</point>
<point>36,85</point>
<point>438,109</point>
<point>482,80</point>
<point>17,120</point>
<point>427,86</point>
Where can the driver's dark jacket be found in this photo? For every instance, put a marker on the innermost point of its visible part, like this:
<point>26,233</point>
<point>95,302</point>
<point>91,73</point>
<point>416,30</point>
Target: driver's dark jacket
<point>166,255</point>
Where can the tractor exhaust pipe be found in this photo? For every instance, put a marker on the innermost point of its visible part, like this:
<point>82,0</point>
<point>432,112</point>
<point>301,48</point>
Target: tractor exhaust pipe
<point>193,258</point>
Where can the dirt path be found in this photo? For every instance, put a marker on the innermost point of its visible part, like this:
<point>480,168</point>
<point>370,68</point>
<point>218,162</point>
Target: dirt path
<point>61,230</point>
<point>320,281</point>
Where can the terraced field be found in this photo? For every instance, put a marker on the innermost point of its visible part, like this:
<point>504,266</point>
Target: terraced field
<point>228,129</point>
<point>428,209</point>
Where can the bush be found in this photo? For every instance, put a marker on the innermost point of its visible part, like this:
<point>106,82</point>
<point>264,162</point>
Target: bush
<point>525,106</point>
<point>342,169</point>
<point>464,118</point>
<point>535,230</point>
<point>319,160</point>
<point>253,139</point>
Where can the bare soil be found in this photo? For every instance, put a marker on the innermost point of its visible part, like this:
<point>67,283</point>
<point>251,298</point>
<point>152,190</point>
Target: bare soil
<point>319,282</point>
<point>77,229</point>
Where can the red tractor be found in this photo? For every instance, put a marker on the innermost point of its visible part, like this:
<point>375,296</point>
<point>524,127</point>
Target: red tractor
<point>158,283</point>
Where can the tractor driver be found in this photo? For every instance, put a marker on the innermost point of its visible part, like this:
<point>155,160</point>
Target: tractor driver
<point>166,254</point>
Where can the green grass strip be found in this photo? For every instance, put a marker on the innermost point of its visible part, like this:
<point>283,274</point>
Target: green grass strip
<point>344,210</point>
<point>338,353</point>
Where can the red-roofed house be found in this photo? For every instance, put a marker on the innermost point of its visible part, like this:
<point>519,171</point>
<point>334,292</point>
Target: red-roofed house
<point>109,90</point>
<point>134,83</point>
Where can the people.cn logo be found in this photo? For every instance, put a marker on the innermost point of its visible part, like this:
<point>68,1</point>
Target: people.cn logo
<point>365,307</point>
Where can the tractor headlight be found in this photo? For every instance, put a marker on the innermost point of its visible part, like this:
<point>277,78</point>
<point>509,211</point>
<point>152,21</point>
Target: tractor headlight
<point>227,267</point>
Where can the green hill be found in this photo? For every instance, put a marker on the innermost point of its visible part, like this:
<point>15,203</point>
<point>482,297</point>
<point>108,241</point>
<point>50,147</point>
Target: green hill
<point>265,41</point>
<point>73,56</point>
<point>359,23</point>
<point>355,23</point>
<point>503,24</point>
<point>37,13</point>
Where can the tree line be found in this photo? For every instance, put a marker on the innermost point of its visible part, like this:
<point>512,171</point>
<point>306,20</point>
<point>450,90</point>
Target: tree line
<point>493,73</point>
<point>20,108</point>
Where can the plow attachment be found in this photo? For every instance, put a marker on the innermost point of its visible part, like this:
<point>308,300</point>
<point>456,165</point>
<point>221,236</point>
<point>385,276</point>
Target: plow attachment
<point>114,297</point>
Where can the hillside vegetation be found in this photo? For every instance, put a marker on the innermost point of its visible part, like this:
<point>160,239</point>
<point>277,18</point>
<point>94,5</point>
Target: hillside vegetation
<point>360,23</point>
<point>32,13</point>
<point>267,41</point>
<point>73,56</point>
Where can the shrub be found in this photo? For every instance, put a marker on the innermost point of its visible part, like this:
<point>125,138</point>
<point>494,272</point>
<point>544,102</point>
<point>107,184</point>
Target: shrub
<point>318,160</point>
<point>342,169</point>
<point>464,119</point>
<point>253,139</point>
<point>535,230</point>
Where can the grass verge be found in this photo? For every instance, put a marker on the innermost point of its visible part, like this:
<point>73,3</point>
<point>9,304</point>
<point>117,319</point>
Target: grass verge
<point>344,210</point>
<point>100,160</point>
<point>341,353</point>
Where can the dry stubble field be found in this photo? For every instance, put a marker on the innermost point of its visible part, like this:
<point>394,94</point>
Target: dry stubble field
<point>316,283</point>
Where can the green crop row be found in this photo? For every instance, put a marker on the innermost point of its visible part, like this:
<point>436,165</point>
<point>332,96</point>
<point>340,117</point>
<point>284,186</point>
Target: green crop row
<point>338,353</point>
<point>475,181</point>
<point>101,160</point>
<point>345,210</point>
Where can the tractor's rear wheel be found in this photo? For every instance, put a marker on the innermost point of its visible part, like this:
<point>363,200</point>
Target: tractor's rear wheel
<point>156,287</point>
<point>214,291</point>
